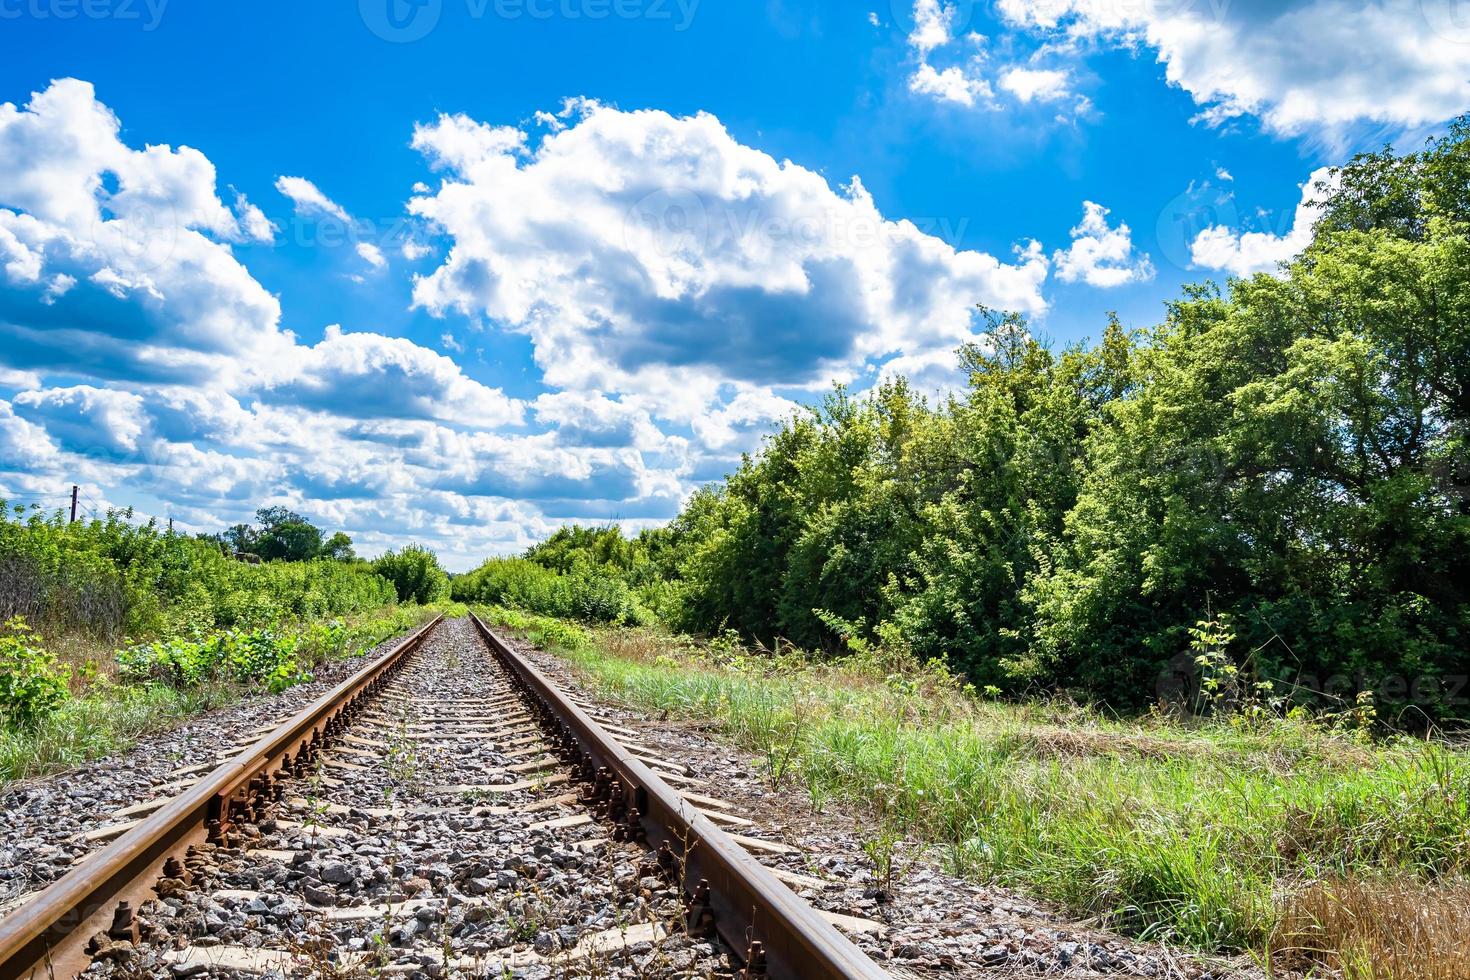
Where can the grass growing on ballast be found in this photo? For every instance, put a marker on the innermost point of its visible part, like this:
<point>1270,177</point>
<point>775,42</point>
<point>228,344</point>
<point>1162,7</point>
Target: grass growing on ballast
<point>1217,835</point>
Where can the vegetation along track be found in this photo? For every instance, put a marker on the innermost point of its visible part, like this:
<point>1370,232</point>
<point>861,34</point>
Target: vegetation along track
<point>444,810</point>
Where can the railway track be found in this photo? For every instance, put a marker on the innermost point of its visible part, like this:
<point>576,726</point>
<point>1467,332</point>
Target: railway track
<point>445,811</point>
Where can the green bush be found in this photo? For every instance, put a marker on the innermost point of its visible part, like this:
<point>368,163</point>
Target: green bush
<point>250,656</point>
<point>415,575</point>
<point>109,579</point>
<point>585,592</point>
<point>1287,451</point>
<point>32,685</point>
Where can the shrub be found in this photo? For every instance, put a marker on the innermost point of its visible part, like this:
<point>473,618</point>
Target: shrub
<point>253,656</point>
<point>415,575</point>
<point>32,685</point>
<point>110,578</point>
<point>590,593</point>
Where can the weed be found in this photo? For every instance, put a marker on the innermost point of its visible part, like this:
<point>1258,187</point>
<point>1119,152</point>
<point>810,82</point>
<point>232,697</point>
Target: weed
<point>1186,830</point>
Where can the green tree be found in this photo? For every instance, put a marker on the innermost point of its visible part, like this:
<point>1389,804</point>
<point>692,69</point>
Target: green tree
<point>286,536</point>
<point>339,548</point>
<point>415,574</point>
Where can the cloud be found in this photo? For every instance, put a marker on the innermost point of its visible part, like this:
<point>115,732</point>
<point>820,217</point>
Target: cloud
<point>1246,253</point>
<point>115,262</point>
<point>86,420</point>
<point>372,255</point>
<point>932,20</point>
<point>116,270</point>
<point>1099,255</point>
<point>741,422</point>
<point>950,85</point>
<point>367,375</point>
<point>1035,84</point>
<point>308,199</point>
<point>934,23</point>
<point>1301,67</point>
<point>256,225</point>
<point>55,151</point>
<point>19,379</point>
<point>648,253</point>
<point>24,446</point>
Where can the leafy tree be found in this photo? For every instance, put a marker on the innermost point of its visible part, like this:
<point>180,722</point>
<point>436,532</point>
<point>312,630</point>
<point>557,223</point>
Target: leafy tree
<point>286,536</point>
<point>1287,453</point>
<point>240,539</point>
<point>415,574</point>
<point>339,548</point>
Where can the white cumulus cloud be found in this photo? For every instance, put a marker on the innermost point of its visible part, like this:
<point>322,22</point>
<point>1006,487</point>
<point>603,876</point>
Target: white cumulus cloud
<point>1300,66</point>
<point>1101,255</point>
<point>372,255</point>
<point>1035,84</point>
<point>645,252</point>
<point>950,85</point>
<point>1243,253</point>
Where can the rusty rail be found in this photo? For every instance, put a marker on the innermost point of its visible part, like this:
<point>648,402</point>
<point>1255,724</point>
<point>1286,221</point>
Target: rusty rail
<point>726,890</point>
<point>47,936</point>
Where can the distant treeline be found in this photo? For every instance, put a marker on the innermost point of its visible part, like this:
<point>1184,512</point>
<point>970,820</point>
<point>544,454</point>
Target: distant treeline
<point>112,579</point>
<point>1286,458</point>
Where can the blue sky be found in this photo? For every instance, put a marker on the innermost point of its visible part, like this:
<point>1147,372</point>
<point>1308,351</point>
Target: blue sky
<point>460,270</point>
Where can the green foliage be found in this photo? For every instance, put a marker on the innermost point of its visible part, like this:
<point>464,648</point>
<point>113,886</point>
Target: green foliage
<point>260,655</point>
<point>548,631</point>
<point>32,684</point>
<point>415,575</point>
<point>1185,833</point>
<point>1288,454</point>
<point>109,579</point>
<point>103,721</point>
<point>284,535</point>
<point>339,548</point>
<point>584,591</point>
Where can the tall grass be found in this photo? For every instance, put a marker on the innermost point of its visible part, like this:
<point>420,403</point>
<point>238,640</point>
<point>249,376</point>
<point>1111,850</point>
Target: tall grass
<point>100,723</point>
<point>1198,834</point>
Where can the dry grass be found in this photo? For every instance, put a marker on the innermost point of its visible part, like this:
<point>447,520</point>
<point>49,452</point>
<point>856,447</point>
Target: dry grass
<point>1395,929</point>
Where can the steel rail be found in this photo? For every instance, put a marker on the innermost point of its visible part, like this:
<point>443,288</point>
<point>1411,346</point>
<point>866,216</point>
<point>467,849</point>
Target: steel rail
<point>47,936</point>
<point>779,935</point>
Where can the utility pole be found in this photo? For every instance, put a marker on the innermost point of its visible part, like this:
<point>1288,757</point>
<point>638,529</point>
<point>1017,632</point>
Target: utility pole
<point>74,491</point>
<point>170,525</point>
